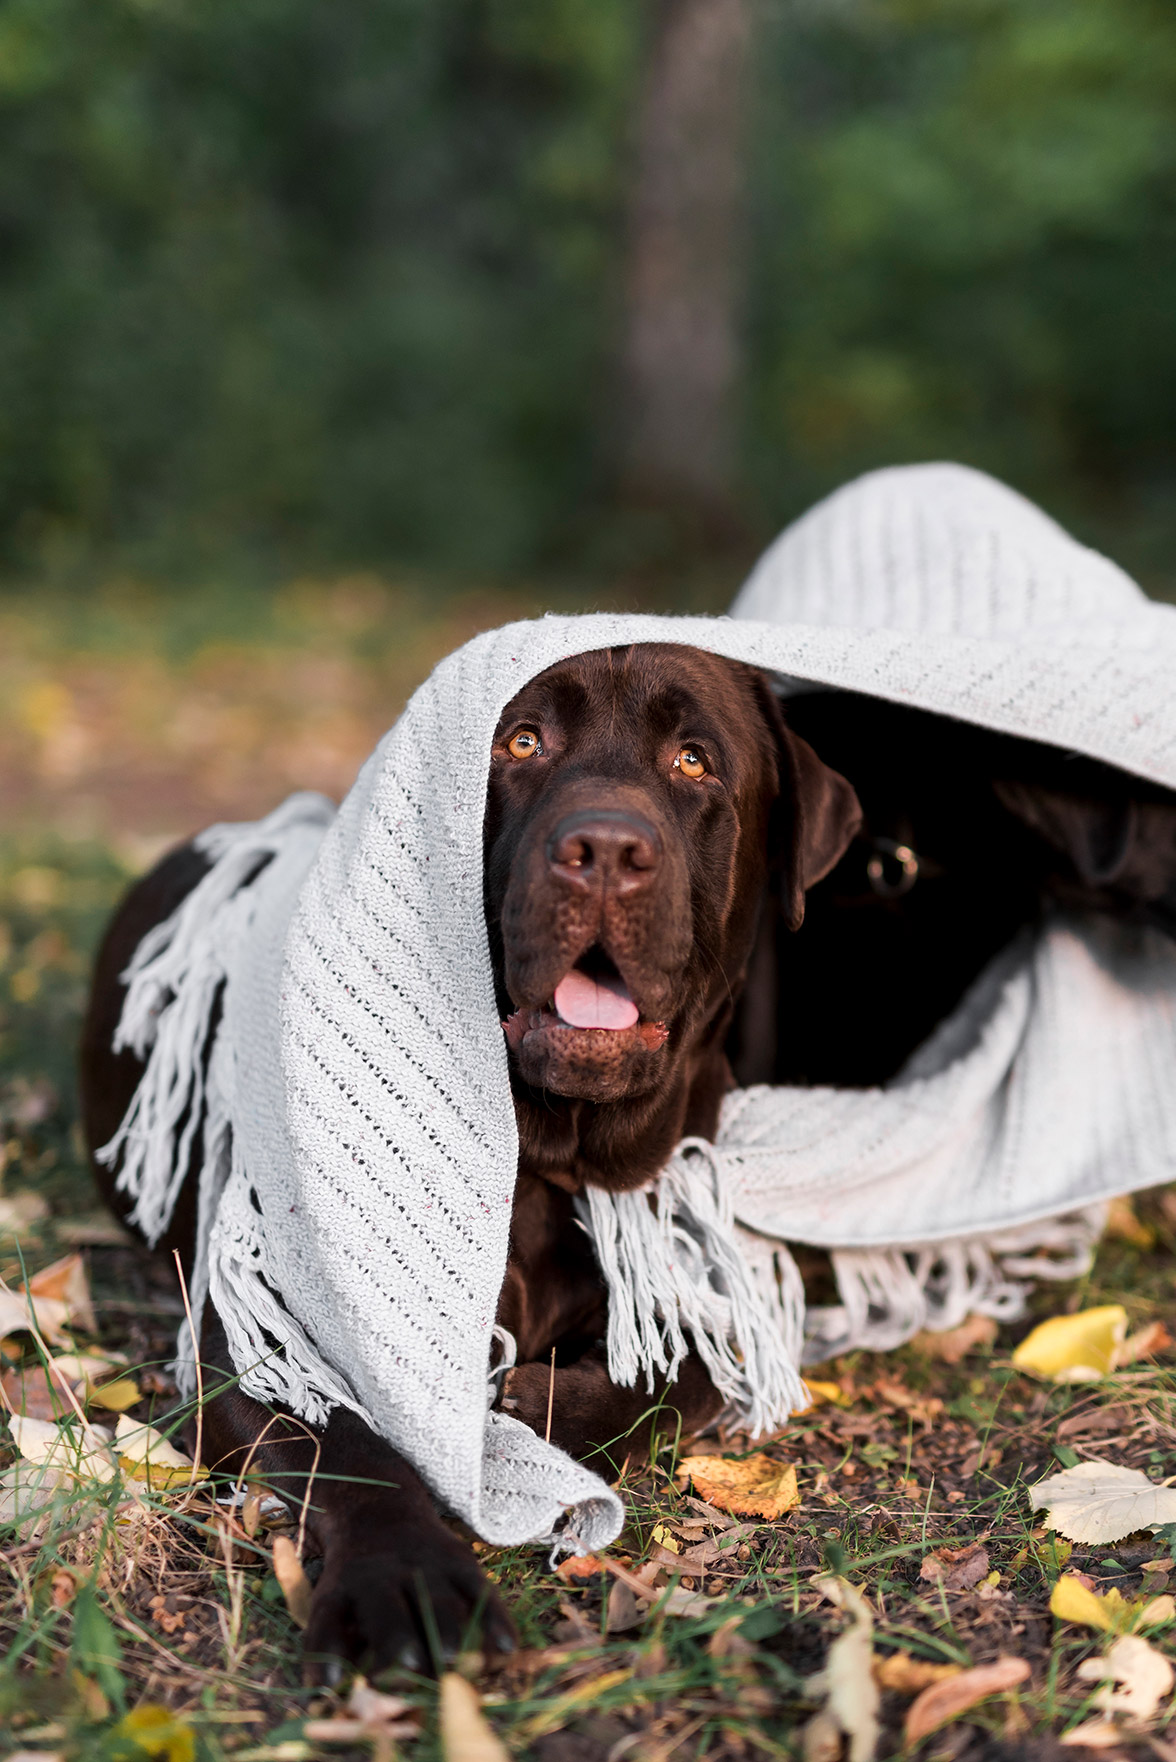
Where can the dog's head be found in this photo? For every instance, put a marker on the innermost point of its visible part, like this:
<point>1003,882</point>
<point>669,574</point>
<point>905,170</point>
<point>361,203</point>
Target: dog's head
<point>638,799</point>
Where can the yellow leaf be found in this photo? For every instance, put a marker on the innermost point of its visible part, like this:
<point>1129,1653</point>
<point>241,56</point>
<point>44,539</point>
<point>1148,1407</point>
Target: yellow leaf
<point>666,1539</point>
<point>821,1395</point>
<point>116,1397</point>
<point>910,1676</point>
<point>142,1443</point>
<point>1072,1601</point>
<point>159,1731</point>
<point>752,1486</point>
<point>1109,1610</point>
<point>466,1733</point>
<point>294,1582</point>
<point>1074,1348</point>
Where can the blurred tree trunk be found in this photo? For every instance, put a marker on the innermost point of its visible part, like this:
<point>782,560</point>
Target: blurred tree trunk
<point>680,351</point>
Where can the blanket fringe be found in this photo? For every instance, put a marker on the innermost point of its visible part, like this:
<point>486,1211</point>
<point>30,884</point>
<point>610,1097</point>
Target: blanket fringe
<point>681,1270</point>
<point>174,985</point>
<point>675,1268</point>
<point>890,1294</point>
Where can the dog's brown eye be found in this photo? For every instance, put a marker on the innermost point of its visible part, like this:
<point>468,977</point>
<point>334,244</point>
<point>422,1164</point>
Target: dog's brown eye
<point>524,745</point>
<point>690,762</point>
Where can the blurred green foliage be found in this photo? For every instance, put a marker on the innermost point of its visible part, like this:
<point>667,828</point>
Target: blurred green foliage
<point>965,246</point>
<point>292,280</point>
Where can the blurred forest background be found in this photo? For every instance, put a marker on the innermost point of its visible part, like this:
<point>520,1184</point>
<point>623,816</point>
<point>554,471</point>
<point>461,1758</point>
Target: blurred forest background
<point>329,334</point>
<point>495,288</point>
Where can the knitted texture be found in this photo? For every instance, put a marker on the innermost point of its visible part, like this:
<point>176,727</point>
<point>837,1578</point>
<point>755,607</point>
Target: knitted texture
<point>356,1205</point>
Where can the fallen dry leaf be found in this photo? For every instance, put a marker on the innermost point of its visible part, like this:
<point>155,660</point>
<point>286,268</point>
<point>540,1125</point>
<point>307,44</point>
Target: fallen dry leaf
<point>752,1486</point>
<point>665,1538</point>
<point>1073,1600</point>
<point>369,1714</point>
<point>116,1397</point>
<point>84,1456</point>
<point>83,1369</point>
<point>956,1569</point>
<point>26,1495</point>
<point>146,1454</point>
<point>1124,1223</point>
<point>466,1734</point>
<point>294,1582</point>
<point>578,1566</point>
<point>29,1390</point>
<point>954,1344</point>
<point>1078,1348</point>
<point>20,1314</point>
<point>821,1395</point>
<point>1095,1734</point>
<point>910,1676</point>
<point>1102,1502</point>
<point>624,1612</point>
<point>1144,1344</point>
<point>852,1694</point>
<point>946,1700</point>
<point>66,1282</point>
<point>821,1738</point>
<point>1144,1675</point>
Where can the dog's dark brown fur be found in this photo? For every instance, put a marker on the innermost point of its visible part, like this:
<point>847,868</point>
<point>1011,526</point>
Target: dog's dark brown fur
<point>603,852</point>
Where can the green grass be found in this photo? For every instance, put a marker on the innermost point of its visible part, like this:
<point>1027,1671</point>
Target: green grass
<point>85,1611</point>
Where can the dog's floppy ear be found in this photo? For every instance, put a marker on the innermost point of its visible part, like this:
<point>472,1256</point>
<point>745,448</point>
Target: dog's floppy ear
<point>826,816</point>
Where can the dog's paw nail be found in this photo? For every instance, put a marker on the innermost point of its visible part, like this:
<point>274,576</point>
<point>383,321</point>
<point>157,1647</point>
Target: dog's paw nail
<point>333,1672</point>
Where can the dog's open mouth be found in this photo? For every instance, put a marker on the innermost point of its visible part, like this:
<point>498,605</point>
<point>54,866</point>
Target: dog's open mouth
<point>592,997</point>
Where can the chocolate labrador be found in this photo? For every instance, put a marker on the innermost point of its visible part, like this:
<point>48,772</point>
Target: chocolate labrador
<point>655,834</point>
<point>642,804</point>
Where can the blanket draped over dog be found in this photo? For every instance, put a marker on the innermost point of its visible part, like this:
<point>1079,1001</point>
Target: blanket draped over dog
<point>359,1141</point>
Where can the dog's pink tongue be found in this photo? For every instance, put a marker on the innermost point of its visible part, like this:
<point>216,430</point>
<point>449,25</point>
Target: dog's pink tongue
<point>584,1002</point>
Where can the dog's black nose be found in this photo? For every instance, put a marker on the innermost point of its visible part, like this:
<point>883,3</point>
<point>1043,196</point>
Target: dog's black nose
<point>605,849</point>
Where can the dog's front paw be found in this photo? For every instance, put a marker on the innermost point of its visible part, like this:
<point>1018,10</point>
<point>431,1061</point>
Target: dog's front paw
<point>401,1598</point>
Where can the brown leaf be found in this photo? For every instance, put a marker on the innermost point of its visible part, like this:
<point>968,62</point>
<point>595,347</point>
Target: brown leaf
<point>66,1282</point>
<point>954,1344</point>
<point>956,1569</point>
<point>28,1390</point>
<point>753,1486</point>
<point>925,1409</point>
<point>294,1582</point>
<point>624,1611</point>
<point>1145,1343</point>
<point>945,1701</point>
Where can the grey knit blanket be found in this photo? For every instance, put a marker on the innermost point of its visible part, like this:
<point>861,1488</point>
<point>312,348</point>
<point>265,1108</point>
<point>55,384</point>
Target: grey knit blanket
<point>359,1137</point>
